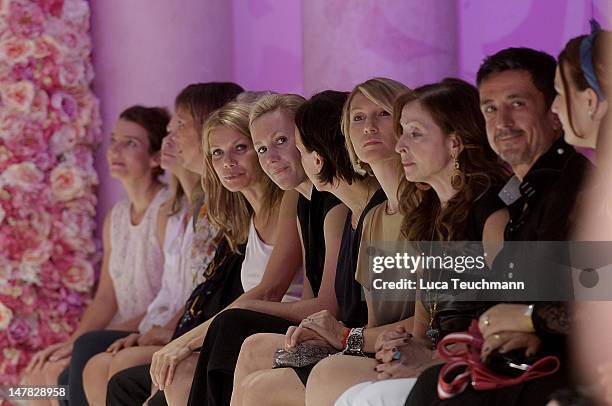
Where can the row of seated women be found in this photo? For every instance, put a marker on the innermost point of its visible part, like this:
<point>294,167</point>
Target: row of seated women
<point>233,284</point>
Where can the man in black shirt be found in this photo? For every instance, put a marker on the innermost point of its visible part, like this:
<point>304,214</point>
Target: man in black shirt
<point>516,87</point>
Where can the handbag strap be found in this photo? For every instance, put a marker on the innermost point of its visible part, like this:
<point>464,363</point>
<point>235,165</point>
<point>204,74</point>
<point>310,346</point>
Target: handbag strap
<point>481,377</point>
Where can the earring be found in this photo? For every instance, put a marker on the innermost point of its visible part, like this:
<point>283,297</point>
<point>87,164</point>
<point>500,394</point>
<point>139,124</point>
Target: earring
<point>422,186</point>
<point>457,176</point>
<point>590,114</point>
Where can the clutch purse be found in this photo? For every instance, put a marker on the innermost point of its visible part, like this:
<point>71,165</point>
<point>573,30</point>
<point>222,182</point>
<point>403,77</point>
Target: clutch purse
<point>304,355</point>
<point>464,365</point>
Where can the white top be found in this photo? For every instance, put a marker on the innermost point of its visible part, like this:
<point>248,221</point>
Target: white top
<point>256,256</point>
<point>177,280</point>
<point>136,261</point>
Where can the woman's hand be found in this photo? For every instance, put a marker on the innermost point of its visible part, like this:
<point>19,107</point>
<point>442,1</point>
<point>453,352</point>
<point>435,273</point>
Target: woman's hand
<point>326,326</point>
<point>124,342</point>
<point>156,336</point>
<point>505,317</point>
<point>52,353</point>
<point>506,341</point>
<point>392,337</point>
<point>297,335</point>
<point>165,361</point>
<point>403,361</point>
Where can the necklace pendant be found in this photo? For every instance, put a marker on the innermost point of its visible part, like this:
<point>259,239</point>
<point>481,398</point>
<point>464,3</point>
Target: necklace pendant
<point>433,334</point>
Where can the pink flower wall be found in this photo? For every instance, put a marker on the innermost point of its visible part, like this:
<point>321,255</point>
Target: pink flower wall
<point>49,124</point>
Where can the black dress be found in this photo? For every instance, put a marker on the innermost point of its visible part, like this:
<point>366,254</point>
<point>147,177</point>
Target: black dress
<point>214,374</point>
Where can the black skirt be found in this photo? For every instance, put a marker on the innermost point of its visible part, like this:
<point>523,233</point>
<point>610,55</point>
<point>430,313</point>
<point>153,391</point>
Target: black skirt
<point>214,375</point>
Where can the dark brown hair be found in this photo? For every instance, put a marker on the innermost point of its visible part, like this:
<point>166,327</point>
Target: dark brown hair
<point>318,121</point>
<point>201,99</point>
<point>453,104</point>
<point>155,121</point>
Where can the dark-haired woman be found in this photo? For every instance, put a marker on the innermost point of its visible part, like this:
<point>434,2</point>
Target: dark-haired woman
<point>128,283</point>
<point>451,195</point>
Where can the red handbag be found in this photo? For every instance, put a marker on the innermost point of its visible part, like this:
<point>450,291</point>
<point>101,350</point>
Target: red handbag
<point>466,354</point>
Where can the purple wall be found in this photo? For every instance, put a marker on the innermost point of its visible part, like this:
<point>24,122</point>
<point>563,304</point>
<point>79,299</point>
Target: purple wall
<point>268,45</point>
<point>485,27</point>
<point>145,51</point>
<point>348,42</point>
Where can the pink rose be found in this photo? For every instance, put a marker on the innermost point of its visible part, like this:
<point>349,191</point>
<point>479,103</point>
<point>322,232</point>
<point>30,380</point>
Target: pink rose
<point>16,50</point>
<point>4,8</point>
<point>28,142</point>
<point>80,276</point>
<point>26,19</point>
<point>66,182</point>
<point>38,255</point>
<point>45,46</point>
<point>65,104</point>
<point>77,12</point>
<point>63,139</point>
<point>6,270</point>
<point>18,331</point>
<point>18,95</point>
<point>53,7</point>
<point>6,158</point>
<point>6,315</point>
<point>39,107</point>
<point>11,123</point>
<point>72,73</point>
<point>24,175</point>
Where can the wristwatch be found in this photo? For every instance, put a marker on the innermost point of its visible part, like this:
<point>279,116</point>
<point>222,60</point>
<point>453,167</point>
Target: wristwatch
<point>354,342</point>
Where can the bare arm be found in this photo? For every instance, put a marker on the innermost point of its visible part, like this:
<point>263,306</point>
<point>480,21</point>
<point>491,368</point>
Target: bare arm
<point>296,311</point>
<point>334,223</point>
<point>370,334</point>
<point>286,258</point>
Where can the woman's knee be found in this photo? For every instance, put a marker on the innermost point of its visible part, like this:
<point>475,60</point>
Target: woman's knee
<point>96,368</point>
<point>252,348</point>
<point>262,387</point>
<point>325,371</point>
<point>183,377</point>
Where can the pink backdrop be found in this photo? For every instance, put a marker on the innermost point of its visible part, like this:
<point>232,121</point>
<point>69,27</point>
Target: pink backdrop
<point>145,51</point>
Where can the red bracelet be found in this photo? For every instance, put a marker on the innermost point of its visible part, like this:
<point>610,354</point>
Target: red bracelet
<point>345,335</point>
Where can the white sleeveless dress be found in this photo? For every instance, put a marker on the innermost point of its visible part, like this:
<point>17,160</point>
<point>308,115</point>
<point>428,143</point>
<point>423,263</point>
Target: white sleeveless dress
<point>136,259</point>
<point>177,280</point>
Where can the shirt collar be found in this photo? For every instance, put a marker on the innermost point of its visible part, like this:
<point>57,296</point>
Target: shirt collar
<point>550,165</point>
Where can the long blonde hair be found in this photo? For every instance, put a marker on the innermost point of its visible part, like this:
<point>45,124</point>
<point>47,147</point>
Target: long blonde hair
<point>380,91</point>
<point>230,211</point>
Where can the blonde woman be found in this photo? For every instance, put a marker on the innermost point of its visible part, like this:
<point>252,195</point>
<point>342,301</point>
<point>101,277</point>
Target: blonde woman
<point>243,204</point>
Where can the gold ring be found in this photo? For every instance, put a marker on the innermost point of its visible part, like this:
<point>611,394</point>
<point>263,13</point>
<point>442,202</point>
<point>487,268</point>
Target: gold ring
<point>486,321</point>
<point>496,336</point>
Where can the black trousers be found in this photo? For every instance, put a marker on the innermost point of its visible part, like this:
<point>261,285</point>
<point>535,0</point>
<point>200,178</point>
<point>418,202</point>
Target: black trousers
<point>85,347</point>
<point>214,375</point>
<point>131,387</point>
